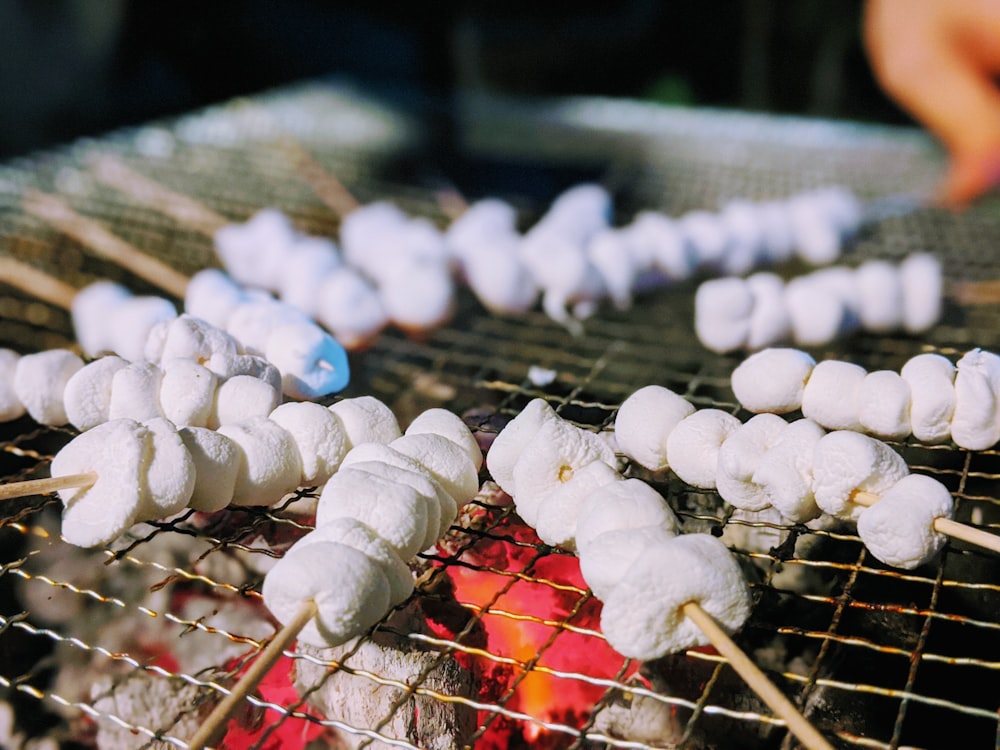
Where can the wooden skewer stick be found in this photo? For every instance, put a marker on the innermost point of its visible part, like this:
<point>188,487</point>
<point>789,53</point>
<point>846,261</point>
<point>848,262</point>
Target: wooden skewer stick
<point>44,486</point>
<point>777,701</point>
<point>31,280</point>
<point>91,233</point>
<point>946,526</point>
<point>213,728</point>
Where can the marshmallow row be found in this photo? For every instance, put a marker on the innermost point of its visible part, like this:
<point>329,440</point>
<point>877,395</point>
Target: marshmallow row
<point>733,313</point>
<point>564,483</point>
<point>796,467</point>
<point>929,398</point>
<point>108,318</point>
<point>388,501</point>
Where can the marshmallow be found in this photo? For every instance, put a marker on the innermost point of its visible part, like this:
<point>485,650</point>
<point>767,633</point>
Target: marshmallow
<point>694,445</point>
<point>932,396</point>
<point>117,451</point>
<point>975,425</point>
<point>87,396</point>
<point>578,212</point>
<point>842,282</point>
<point>498,278</point>
<point>311,362</point>
<point>242,398</point>
<point>884,405</point>
<point>609,555</point>
<point>562,270</point>
<point>658,242</point>
<point>366,225</point>
<point>270,466</point>
<point>776,229</point>
<point>187,392</point>
<point>628,504</point>
<point>132,321</point>
<point>644,422</point>
<point>395,511</point>
<point>351,308</point>
<point>484,219</point>
<point>817,313</point>
<point>368,452</point>
<point>91,309</point>
<point>642,616</point>
<point>360,536</point>
<point>11,407</point>
<point>722,310</point>
<point>706,236</point>
<point>255,252</point>
<point>740,456</point>
<point>831,395</point>
<point>923,291</point>
<point>40,384</point>
<point>251,322</point>
<point>846,462</point>
<point>899,528</point>
<point>881,291</point>
<point>365,419</point>
<point>558,514</point>
<point>785,471</point>
<point>212,295</point>
<point>769,319</point>
<point>553,456</point>
<point>447,424</point>
<point>447,462</point>
<point>135,392</point>
<point>609,252</point>
<point>319,437</point>
<point>246,364</point>
<point>304,270</point>
<point>168,472</point>
<point>418,295</point>
<point>741,220</point>
<point>347,604</point>
<point>772,380</point>
<point>188,337</point>
<point>817,239</point>
<point>216,460</point>
<point>507,446</point>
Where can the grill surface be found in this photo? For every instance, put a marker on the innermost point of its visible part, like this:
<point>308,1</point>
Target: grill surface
<point>875,657</point>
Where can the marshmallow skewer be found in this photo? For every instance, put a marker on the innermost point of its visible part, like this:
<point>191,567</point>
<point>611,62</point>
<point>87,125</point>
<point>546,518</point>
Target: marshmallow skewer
<point>212,729</point>
<point>12,490</point>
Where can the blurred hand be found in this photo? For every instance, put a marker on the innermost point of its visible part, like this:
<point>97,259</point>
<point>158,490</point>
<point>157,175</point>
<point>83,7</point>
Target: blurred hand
<point>940,60</point>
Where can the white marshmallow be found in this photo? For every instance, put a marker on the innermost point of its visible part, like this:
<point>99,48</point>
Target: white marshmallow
<point>498,278</point>
<point>187,392</point>
<point>831,395</point>
<point>242,398</point>
<point>254,252</point>
<point>363,538</point>
<point>135,392</point>
<point>351,308</point>
<point>884,405</point>
<point>842,282</point>
<point>776,227</point>
<point>395,511</point>
<point>40,384</point>
<point>769,319</point>
<point>932,396</point>
<point>694,445</point>
<point>117,451</point>
<point>450,425</point>
<point>87,396</point>
<point>706,236</point>
<point>579,212</point>
<point>975,425</point>
<point>418,295</point>
<point>246,364</point>
<point>486,218</point>
<point>168,473</point>
<point>899,528</point>
<point>845,462</point>
<point>319,437</point>
<point>817,239</point>
<point>188,337</point>
<point>772,380</point>
<point>365,419</point>
<point>642,616</point>
<point>365,225</point>
<point>881,291</point>
<point>444,460</point>
<point>510,443</point>
<point>644,422</point>
<point>722,310</point>
<point>627,504</point>
<point>609,555</point>
<point>216,460</point>
<point>347,604</point>
<point>252,321</point>
<point>211,295</point>
<point>270,466</point>
<point>785,472</point>
<point>309,261</point>
<point>741,221</point>
<point>132,321</point>
<point>740,456</point>
<point>817,313</point>
<point>311,362</point>
<point>923,291</point>
<point>556,452</point>
<point>658,243</point>
<point>11,407</point>
<point>91,309</point>
<point>609,252</point>
<point>558,514</point>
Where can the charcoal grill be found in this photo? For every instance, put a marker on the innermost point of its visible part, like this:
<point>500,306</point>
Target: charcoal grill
<point>141,639</point>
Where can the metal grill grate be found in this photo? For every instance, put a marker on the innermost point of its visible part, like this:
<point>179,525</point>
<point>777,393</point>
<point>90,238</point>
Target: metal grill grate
<point>140,638</point>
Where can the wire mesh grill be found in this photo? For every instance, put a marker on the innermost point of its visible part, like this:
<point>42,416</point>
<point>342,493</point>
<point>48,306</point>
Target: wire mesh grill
<point>130,646</point>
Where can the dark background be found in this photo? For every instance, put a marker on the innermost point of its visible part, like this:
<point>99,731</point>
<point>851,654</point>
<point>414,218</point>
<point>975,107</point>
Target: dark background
<point>82,67</point>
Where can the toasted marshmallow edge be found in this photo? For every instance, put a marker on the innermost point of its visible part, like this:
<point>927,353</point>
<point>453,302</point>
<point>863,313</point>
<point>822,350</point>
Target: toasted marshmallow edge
<point>347,604</point>
<point>642,616</point>
<point>899,528</point>
<point>772,380</point>
<point>644,422</point>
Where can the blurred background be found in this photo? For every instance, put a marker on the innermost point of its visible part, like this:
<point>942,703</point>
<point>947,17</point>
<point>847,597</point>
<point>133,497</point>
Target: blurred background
<point>70,68</point>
